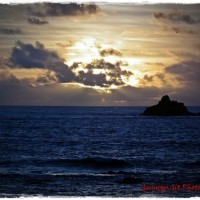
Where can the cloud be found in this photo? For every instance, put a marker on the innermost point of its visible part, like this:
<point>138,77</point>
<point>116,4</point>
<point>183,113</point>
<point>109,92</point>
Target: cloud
<point>97,73</point>
<point>88,78</point>
<point>4,62</point>
<point>148,78</point>
<point>179,30</point>
<point>101,73</point>
<point>187,72</point>
<point>147,53</point>
<point>70,94</point>
<point>175,17</point>
<point>189,95</point>
<point>155,64</point>
<point>171,23</point>
<point>49,77</point>
<point>7,77</point>
<point>10,31</point>
<point>69,43</point>
<point>36,21</point>
<point>128,95</point>
<point>58,9</point>
<point>158,79</point>
<point>110,52</point>
<point>183,55</point>
<point>20,92</point>
<point>196,46</point>
<point>30,56</point>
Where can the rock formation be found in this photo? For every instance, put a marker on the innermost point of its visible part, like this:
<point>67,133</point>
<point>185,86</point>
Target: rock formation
<point>166,107</point>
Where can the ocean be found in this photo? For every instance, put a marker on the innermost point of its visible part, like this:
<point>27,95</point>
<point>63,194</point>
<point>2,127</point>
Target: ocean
<point>98,151</point>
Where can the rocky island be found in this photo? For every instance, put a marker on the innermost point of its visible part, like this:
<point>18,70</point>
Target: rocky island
<point>166,107</point>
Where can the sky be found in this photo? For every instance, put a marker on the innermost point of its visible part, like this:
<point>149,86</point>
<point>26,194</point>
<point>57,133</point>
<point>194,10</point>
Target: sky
<point>102,54</point>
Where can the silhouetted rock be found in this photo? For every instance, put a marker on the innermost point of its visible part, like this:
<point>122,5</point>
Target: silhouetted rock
<point>166,107</point>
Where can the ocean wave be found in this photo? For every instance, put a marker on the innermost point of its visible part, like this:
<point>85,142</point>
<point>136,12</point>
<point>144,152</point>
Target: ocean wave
<point>93,162</point>
<point>45,177</point>
<point>90,162</point>
<point>193,164</point>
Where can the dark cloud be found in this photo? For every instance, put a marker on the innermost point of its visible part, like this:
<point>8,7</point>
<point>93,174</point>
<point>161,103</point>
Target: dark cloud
<point>170,21</point>
<point>110,74</point>
<point>185,54</point>
<point>197,46</point>
<point>36,21</point>
<point>161,77</point>
<point>4,62</point>
<point>19,92</point>
<point>47,78</point>
<point>7,77</point>
<point>126,73</point>
<point>179,30</point>
<point>90,79</point>
<point>30,56</point>
<point>189,95</point>
<point>58,9</point>
<point>150,78</point>
<point>187,72</point>
<point>175,17</point>
<point>10,31</point>
<point>183,30</point>
<point>110,52</point>
<point>128,95</point>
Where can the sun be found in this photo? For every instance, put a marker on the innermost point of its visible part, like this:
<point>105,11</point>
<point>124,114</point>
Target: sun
<point>85,51</point>
<point>112,59</point>
<point>88,49</point>
<point>133,81</point>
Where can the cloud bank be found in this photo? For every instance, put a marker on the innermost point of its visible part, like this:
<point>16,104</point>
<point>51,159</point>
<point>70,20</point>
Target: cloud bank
<point>36,21</point>
<point>175,17</point>
<point>10,31</point>
<point>110,52</point>
<point>97,73</point>
<point>30,56</point>
<point>71,94</point>
<point>101,73</point>
<point>58,9</point>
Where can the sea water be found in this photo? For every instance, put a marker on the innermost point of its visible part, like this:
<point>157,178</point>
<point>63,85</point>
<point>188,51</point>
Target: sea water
<point>90,151</point>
